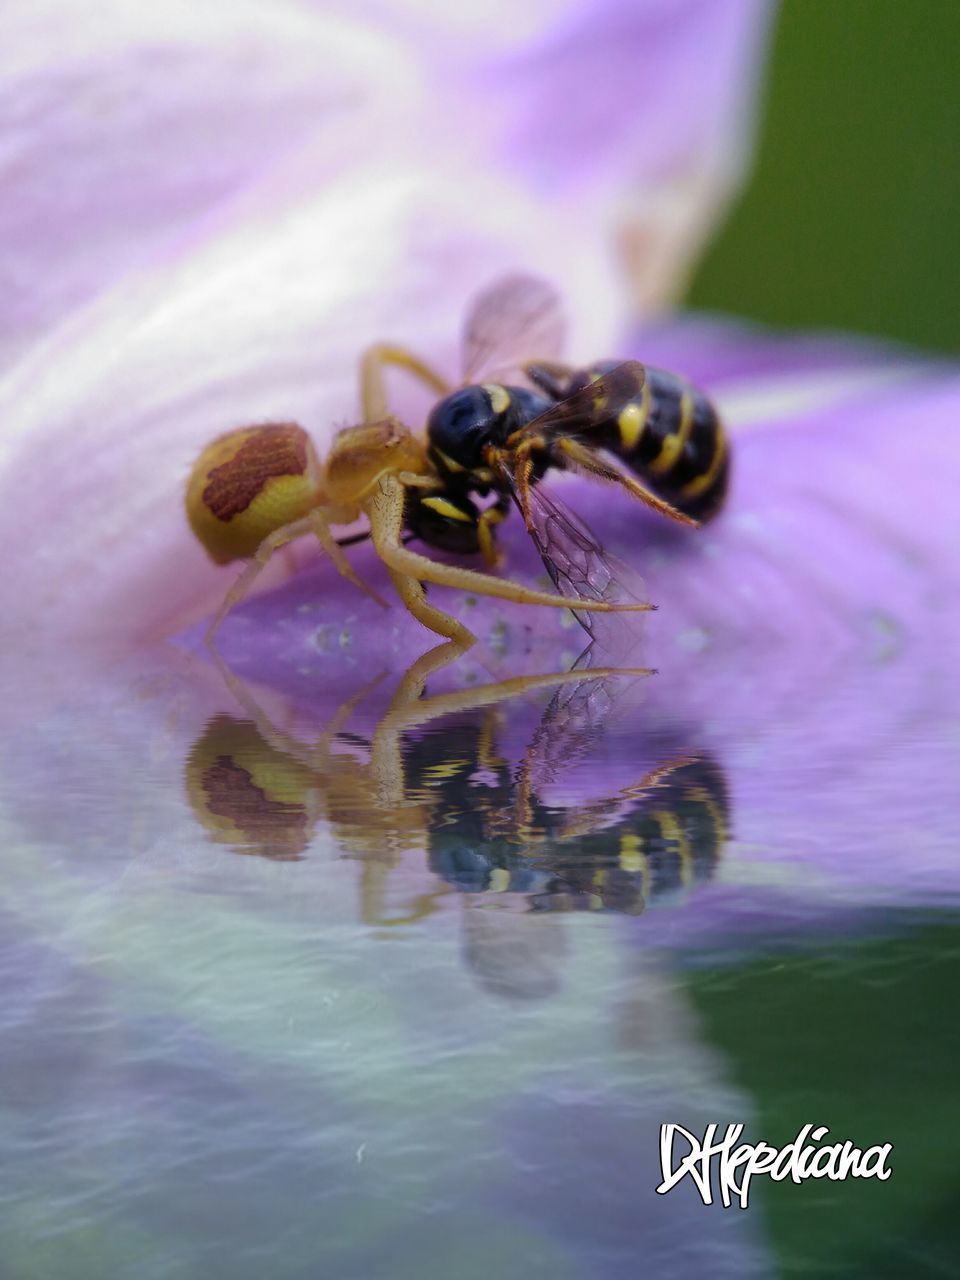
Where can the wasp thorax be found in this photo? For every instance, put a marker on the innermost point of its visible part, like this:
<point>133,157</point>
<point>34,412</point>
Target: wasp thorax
<point>247,484</point>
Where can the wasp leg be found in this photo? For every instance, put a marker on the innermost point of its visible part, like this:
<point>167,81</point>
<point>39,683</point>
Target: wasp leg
<point>321,527</point>
<point>486,525</point>
<point>520,463</point>
<point>385,511</point>
<point>524,473</point>
<point>410,480</point>
<point>373,392</point>
<point>550,376</point>
<point>264,553</point>
<point>588,461</point>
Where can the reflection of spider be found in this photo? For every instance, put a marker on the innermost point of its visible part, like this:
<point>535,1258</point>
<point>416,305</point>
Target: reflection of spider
<point>260,790</point>
<point>431,783</point>
<point>257,488</point>
<point>432,780</point>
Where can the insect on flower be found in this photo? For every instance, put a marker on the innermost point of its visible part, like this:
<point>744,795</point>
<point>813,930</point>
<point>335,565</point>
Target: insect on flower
<point>257,488</point>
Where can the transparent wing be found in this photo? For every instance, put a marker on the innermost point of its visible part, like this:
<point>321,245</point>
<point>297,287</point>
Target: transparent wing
<point>573,557</point>
<point>518,319</point>
<point>568,732</point>
<point>568,729</point>
<point>582,413</point>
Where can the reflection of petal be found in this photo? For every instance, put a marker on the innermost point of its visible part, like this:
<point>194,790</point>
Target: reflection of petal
<point>683,1081</point>
<point>305,195</point>
<point>514,957</point>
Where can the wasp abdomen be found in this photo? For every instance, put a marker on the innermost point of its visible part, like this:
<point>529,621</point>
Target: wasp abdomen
<point>681,450</point>
<point>671,437</point>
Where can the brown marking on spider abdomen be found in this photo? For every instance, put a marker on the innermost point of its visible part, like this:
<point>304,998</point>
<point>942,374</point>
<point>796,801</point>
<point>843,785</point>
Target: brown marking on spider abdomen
<point>274,449</point>
<point>274,828</point>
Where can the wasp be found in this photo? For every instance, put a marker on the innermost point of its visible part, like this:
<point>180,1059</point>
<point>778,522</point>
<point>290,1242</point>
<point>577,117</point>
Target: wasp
<point>492,437</point>
<point>487,446</point>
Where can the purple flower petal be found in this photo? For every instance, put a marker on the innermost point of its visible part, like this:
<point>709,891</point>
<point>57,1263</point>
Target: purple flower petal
<point>214,216</point>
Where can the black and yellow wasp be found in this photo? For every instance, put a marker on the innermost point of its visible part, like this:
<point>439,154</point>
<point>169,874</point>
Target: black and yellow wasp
<point>642,428</point>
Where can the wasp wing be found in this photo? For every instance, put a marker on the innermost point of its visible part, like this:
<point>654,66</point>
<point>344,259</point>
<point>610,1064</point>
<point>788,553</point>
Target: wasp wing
<point>591,407</point>
<point>572,554</point>
<point>518,319</point>
<point>568,728</point>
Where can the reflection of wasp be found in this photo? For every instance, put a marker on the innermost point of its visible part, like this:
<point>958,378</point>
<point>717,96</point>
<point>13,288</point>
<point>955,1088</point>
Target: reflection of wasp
<point>671,839</point>
<point>445,792</point>
<point>256,488</point>
<point>649,841</point>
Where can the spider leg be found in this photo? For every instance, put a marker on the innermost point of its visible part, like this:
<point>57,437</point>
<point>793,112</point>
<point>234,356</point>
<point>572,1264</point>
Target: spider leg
<point>321,527</point>
<point>411,592</point>
<point>314,522</point>
<point>385,511</point>
<point>264,553</point>
<point>373,392</point>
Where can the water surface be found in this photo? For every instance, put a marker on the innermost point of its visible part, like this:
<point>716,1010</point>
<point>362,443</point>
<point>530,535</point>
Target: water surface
<point>408,990</point>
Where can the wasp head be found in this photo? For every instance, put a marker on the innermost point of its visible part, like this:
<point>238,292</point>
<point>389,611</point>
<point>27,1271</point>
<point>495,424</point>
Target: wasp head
<point>462,425</point>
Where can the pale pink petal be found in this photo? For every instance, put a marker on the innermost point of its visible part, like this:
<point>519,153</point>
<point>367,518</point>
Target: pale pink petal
<point>215,212</point>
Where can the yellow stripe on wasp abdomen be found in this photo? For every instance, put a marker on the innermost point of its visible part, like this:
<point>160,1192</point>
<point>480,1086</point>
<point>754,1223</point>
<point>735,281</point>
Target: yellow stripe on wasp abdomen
<point>671,437</point>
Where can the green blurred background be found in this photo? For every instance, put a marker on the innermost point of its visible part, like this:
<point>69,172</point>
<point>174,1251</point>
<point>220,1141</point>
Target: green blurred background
<point>851,216</point>
<point>851,220</point>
